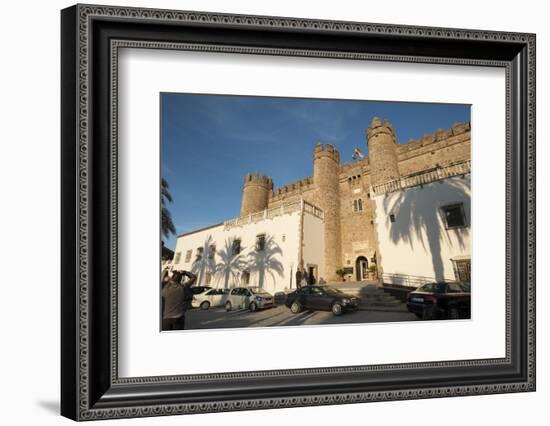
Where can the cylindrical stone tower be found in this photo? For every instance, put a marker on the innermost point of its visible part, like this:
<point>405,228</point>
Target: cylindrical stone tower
<point>326,169</point>
<point>382,152</point>
<point>256,191</point>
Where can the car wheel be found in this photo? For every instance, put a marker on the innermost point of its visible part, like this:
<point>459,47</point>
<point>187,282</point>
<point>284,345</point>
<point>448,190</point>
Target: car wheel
<point>418,315</point>
<point>205,305</point>
<point>228,306</point>
<point>336,309</point>
<point>295,308</point>
<point>428,313</point>
<point>452,313</point>
<point>253,306</point>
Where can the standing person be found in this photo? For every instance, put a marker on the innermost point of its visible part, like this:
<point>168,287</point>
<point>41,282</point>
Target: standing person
<point>312,279</point>
<point>176,298</point>
<point>298,277</point>
<point>305,279</point>
<point>164,277</point>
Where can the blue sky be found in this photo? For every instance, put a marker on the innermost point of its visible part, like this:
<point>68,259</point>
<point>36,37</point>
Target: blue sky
<point>209,143</point>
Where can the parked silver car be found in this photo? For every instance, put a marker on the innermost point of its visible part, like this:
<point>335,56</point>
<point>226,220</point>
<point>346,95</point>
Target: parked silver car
<point>252,298</point>
<point>212,298</point>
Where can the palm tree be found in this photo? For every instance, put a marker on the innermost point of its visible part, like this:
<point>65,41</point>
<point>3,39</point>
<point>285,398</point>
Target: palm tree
<point>231,264</point>
<point>204,262</point>
<point>265,262</point>
<point>167,226</point>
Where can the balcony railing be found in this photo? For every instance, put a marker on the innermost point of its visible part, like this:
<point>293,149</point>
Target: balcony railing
<point>286,208</point>
<point>424,177</point>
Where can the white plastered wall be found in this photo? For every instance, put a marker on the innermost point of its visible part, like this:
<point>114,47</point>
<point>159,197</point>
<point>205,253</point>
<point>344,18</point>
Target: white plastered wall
<point>270,269</point>
<point>314,243</point>
<point>418,243</point>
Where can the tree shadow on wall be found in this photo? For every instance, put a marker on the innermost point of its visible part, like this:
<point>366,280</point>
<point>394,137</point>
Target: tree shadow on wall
<point>230,264</point>
<point>265,262</point>
<point>421,218</point>
<point>205,263</point>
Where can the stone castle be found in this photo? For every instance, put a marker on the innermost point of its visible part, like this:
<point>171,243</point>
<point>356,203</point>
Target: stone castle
<point>345,192</point>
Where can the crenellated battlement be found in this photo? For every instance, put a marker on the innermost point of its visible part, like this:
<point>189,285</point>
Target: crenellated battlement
<point>382,146</point>
<point>360,166</point>
<point>294,188</point>
<point>378,126</point>
<point>438,136</point>
<point>327,151</point>
<point>256,190</point>
<point>256,178</point>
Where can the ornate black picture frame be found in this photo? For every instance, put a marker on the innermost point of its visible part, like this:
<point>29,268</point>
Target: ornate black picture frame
<point>91,37</point>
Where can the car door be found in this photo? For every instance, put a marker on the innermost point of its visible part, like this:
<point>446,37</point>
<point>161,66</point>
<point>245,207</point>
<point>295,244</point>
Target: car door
<point>454,293</point>
<point>214,297</point>
<point>224,295</point>
<point>325,300</point>
<point>234,297</point>
<point>303,296</point>
<point>247,297</point>
<point>238,296</point>
<point>318,299</point>
<point>461,296</point>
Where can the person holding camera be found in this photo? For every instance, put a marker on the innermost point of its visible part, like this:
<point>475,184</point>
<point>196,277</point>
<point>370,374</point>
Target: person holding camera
<point>176,300</point>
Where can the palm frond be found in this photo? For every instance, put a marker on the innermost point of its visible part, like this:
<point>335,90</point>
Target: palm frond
<point>167,226</point>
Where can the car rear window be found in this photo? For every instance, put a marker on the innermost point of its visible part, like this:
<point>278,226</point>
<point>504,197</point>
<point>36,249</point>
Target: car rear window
<point>433,288</point>
<point>454,288</point>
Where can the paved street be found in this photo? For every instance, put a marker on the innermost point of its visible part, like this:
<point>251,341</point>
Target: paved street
<point>281,316</point>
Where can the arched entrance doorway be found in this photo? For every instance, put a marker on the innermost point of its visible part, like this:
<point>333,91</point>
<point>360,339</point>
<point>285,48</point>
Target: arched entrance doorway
<point>361,268</point>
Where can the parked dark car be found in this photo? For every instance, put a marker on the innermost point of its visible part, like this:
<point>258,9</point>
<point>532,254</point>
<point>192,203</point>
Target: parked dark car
<point>450,300</point>
<point>321,298</point>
